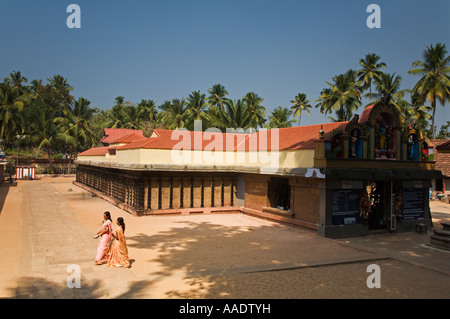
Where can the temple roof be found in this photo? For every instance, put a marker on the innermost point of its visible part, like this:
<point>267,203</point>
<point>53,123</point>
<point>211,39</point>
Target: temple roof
<point>114,135</point>
<point>442,155</point>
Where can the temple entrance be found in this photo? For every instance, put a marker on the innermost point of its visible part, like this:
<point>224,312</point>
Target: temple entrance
<point>381,196</point>
<point>376,194</point>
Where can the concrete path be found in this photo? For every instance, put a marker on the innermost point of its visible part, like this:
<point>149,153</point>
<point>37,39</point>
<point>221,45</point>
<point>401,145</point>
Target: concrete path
<point>48,225</point>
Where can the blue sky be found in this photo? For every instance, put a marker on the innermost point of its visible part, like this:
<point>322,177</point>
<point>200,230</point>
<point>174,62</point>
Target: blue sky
<point>162,50</point>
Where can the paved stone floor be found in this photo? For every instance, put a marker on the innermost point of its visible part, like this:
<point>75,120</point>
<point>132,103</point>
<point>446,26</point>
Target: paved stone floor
<point>48,225</point>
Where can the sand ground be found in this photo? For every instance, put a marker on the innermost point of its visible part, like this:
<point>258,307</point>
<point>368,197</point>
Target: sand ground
<point>47,227</point>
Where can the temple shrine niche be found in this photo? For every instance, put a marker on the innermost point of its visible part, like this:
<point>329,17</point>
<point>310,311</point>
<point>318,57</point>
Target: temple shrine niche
<point>385,137</point>
<point>413,144</point>
<point>355,144</point>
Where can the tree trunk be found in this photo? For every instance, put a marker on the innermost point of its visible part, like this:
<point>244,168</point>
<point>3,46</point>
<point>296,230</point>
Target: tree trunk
<point>50,160</point>
<point>433,106</point>
<point>70,161</point>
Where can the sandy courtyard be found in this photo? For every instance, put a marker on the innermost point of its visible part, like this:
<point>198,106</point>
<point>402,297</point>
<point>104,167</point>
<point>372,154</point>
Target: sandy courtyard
<point>47,225</point>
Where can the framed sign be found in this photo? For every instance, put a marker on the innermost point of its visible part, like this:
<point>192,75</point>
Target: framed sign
<point>345,207</point>
<point>413,204</point>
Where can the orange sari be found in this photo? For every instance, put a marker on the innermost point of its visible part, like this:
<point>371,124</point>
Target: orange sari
<point>118,255</point>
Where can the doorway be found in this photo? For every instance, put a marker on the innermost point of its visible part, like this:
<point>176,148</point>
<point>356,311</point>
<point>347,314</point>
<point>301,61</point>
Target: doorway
<point>381,195</point>
<point>279,193</point>
<point>376,192</point>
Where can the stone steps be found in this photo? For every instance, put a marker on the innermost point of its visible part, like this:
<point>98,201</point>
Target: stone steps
<point>441,237</point>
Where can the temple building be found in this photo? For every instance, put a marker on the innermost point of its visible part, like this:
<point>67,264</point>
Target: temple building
<point>340,179</point>
<point>441,155</point>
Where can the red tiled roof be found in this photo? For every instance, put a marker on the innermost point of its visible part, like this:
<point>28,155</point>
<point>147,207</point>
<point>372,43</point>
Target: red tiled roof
<point>128,138</point>
<point>95,151</point>
<point>168,139</point>
<point>113,134</point>
<point>438,142</point>
<point>444,146</point>
<point>292,138</point>
<point>443,162</point>
<point>442,155</point>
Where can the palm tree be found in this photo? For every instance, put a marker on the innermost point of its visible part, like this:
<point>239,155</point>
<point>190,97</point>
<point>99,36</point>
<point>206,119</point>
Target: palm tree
<point>62,98</point>
<point>370,71</point>
<point>197,105</point>
<point>131,118</point>
<point>301,103</point>
<point>115,115</point>
<point>388,85</point>
<point>232,115</point>
<point>60,83</point>
<point>16,80</point>
<point>147,110</point>
<point>326,102</point>
<point>11,106</point>
<point>76,126</point>
<point>416,112</point>
<point>435,81</point>
<point>345,94</point>
<point>36,85</point>
<point>174,114</point>
<point>45,132</point>
<point>254,110</point>
<point>279,118</point>
<point>76,122</point>
<point>217,96</point>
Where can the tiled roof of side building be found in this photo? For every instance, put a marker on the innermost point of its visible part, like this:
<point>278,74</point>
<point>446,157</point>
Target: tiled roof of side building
<point>182,139</point>
<point>442,155</point>
<point>443,163</point>
<point>128,138</point>
<point>95,151</point>
<point>444,145</point>
<point>112,134</point>
<point>293,138</point>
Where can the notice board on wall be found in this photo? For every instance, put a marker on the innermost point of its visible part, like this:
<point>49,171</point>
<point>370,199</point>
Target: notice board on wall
<point>345,206</point>
<point>413,207</point>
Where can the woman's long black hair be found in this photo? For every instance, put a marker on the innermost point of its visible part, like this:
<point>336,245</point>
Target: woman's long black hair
<point>108,215</point>
<point>121,223</point>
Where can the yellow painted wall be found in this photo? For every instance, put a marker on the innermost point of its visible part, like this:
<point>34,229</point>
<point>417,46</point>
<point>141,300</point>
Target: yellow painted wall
<point>281,159</point>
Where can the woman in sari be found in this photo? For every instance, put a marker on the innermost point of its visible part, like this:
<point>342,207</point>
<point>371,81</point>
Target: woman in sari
<point>118,255</point>
<point>105,234</point>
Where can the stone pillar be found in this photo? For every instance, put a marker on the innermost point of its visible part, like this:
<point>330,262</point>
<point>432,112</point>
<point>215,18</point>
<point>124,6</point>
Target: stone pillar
<point>197,192</point>
<point>154,193</point>
<point>227,191</point>
<point>187,192</point>
<point>176,192</point>
<point>372,143</point>
<point>207,192</point>
<point>146,193</point>
<point>217,188</point>
<point>165,192</point>
<point>364,147</point>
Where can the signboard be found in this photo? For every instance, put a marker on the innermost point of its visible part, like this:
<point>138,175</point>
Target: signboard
<point>345,207</point>
<point>413,207</point>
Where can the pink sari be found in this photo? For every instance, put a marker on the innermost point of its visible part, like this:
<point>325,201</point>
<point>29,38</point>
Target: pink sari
<point>103,246</point>
<point>118,255</point>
